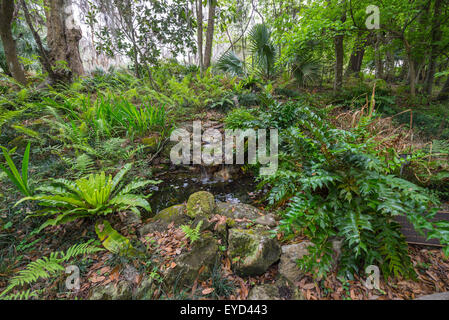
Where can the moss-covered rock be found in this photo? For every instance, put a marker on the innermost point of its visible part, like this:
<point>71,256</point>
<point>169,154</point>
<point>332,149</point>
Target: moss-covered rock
<point>152,142</point>
<point>171,214</point>
<point>239,211</point>
<point>204,252</point>
<point>161,220</point>
<point>282,289</point>
<point>112,291</point>
<point>252,251</point>
<point>201,203</point>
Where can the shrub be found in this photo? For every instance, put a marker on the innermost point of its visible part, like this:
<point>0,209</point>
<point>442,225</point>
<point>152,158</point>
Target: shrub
<point>338,186</point>
<point>94,195</point>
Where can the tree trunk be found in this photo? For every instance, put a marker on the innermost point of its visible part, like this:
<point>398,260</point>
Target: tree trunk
<point>63,37</point>
<point>356,59</point>
<point>209,33</point>
<point>378,56</point>
<point>412,71</point>
<point>436,37</point>
<point>339,55</point>
<point>9,45</point>
<point>444,93</point>
<point>199,33</point>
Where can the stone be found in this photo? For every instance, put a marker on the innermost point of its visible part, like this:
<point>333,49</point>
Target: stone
<point>161,220</point>
<point>130,218</point>
<point>204,252</point>
<point>266,220</point>
<point>288,266</point>
<point>151,143</point>
<point>435,296</point>
<point>120,291</point>
<point>201,203</point>
<point>173,214</point>
<point>145,290</point>
<point>282,289</point>
<point>252,251</point>
<point>238,210</point>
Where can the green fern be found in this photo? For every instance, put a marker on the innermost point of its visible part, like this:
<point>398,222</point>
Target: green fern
<point>94,195</point>
<point>45,268</point>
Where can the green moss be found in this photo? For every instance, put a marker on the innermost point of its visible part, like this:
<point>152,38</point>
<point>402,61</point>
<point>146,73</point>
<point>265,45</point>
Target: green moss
<point>174,213</point>
<point>201,203</point>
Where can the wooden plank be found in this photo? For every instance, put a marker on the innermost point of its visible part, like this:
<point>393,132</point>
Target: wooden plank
<point>413,237</point>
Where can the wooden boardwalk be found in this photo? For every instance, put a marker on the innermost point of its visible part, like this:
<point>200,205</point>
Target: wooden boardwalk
<point>413,237</point>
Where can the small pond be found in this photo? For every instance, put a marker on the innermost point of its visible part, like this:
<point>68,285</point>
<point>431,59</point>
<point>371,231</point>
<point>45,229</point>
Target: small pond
<point>177,186</point>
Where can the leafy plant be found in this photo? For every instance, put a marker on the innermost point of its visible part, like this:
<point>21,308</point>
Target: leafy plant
<point>339,184</point>
<point>20,180</point>
<point>94,195</point>
<point>230,63</point>
<point>193,234</point>
<point>263,50</point>
<point>44,268</point>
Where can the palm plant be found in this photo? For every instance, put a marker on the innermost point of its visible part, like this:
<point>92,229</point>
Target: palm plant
<point>264,52</point>
<point>94,195</point>
<point>305,69</point>
<point>230,63</point>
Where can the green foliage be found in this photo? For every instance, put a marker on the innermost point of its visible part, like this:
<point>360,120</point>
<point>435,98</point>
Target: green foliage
<point>94,195</point>
<point>263,50</point>
<point>20,180</point>
<point>230,63</point>
<point>45,268</point>
<point>113,241</point>
<point>339,186</point>
<point>193,234</point>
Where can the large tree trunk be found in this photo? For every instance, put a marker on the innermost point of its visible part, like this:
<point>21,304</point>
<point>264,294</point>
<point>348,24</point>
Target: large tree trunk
<point>339,55</point>
<point>9,45</point>
<point>378,56</point>
<point>338,80</point>
<point>411,67</point>
<point>444,93</point>
<point>209,33</point>
<point>436,37</point>
<point>356,59</point>
<point>63,37</point>
<point>199,33</point>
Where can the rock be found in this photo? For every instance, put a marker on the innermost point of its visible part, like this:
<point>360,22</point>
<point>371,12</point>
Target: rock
<point>266,220</point>
<point>111,291</point>
<point>130,218</point>
<point>288,266</point>
<point>152,142</point>
<point>435,296</point>
<point>201,203</point>
<point>173,214</point>
<point>145,290</point>
<point>161,220</point>
<point>238,211</point>
<point>282,289</point>
<point>130,273</point>
<point>204,252</point>
<point>264,292</point>
<point>255,249</point>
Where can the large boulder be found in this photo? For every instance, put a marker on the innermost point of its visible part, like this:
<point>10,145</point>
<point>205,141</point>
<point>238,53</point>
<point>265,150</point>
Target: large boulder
<point>204,252</point>
<point>252,251</point>
<point>174,214</point>
<point>113,291</point>
<point>160,221</point>
<point>435,296</point>
<point>201,203</point>
<point>282,289</point>
<point>238,211</point>
<point>288,266</point>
